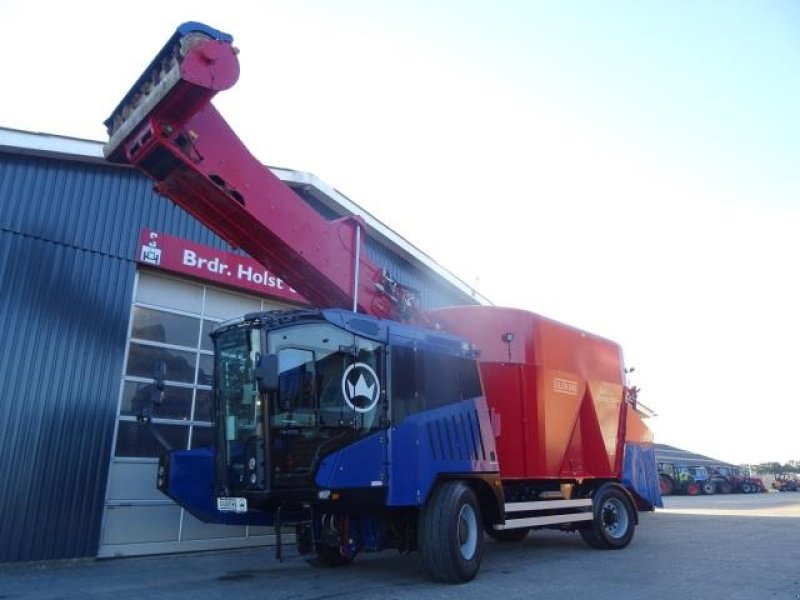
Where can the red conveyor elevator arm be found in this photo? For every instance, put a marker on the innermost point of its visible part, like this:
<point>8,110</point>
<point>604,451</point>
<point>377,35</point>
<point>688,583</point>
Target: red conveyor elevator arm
<point>167,127</point>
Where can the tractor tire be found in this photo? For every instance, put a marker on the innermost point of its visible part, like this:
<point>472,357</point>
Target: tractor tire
<point>614,520</point>
<point>746,488</point>
<point>665,485</point>
<point>725,488</point>
<point>692,489</point>
<point>450,535</point>
<point>707,487</point>
<point>509,535</point>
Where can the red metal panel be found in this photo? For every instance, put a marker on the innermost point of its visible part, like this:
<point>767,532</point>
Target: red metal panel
<point>505,381</point>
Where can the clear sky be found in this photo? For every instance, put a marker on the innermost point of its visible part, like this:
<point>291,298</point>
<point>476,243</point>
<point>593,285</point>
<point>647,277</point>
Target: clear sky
<point>630,168</point>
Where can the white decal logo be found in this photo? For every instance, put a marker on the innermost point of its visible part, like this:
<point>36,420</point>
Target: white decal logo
<point>360,387</point>
<point>565,386</point>
<point>151,253</point>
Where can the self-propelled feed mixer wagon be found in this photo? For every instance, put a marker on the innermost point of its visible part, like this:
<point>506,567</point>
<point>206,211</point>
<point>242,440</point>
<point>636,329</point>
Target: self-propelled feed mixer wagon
<point>367,423</point>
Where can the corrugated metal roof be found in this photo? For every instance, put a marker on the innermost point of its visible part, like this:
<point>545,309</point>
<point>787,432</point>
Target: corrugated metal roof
<point>678,456</point>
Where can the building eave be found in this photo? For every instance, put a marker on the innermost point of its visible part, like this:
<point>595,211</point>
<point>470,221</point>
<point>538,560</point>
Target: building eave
<point>91,151</point>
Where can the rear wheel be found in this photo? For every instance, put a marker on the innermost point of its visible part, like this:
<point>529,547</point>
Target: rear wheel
<point>614,520</point>
<point>450,534</point>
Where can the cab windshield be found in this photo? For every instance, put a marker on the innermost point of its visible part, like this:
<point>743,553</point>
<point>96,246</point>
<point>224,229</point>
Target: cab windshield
<point>330,393</point>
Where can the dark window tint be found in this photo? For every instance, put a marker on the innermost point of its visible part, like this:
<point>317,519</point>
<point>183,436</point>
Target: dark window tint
<point>205,338</point>
<point>177,402</point>
<point>136,439</point>
<point>203,437</point>
<point>205,374</point>
<point>407,384</point>
<point>449,379</point>
<point>160,326</point>
<point>296,379</point>
<point>423,379</point>
<point>202,406</point>
<point>142,360</point>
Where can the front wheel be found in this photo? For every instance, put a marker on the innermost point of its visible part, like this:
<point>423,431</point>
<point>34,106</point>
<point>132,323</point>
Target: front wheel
<point>450,534</point>
<point>614,520</point>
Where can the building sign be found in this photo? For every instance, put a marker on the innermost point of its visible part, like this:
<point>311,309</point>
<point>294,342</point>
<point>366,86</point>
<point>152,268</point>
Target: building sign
<point>188,258</point>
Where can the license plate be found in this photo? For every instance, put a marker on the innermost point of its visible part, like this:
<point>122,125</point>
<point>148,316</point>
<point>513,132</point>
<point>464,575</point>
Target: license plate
<point>237,505</point>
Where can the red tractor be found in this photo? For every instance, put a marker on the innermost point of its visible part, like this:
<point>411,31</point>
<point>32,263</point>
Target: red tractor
<point>736,480</point>
<point>786,482</point>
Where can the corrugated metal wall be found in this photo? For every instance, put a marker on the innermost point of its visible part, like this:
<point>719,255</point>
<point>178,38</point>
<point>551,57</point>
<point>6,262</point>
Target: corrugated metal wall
<point>68,237</point>
<point>63,312</point>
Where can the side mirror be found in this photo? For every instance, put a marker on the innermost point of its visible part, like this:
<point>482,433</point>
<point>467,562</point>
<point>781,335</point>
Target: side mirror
<point>267,373</point>
<point>159,375</point>
<point>151,395</point>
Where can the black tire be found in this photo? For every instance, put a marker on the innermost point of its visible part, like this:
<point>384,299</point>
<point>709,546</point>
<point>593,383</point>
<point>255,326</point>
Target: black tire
<point>708,487</point>
<point>614,520</point>
<point>327,556</point>
<point>746,488</point>
<point>509,535</point>
<point>450,536</point>
<point>725,488</point>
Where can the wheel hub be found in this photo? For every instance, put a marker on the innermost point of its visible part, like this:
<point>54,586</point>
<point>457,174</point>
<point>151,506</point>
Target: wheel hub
<point>615,518</point>
<point>467,531</point>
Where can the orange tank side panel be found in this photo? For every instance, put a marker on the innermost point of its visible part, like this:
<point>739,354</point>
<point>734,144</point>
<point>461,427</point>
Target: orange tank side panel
<point>558,391</point>
<point>635,429</point>
<point>560,396</point>
<point>593,446</point>
<point>608,399</point>
<point>562,347</point>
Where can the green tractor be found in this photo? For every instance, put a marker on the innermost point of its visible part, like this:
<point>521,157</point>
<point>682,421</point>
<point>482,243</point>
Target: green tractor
<point>689,480</point>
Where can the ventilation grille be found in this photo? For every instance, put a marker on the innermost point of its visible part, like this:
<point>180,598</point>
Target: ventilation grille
<point>456,437</point>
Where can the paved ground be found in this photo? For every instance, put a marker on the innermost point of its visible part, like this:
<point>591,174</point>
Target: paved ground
<point>732,547</point>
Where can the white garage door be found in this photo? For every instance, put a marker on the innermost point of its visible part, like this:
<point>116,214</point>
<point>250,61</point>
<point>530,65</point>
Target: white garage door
<point>170,320</point>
